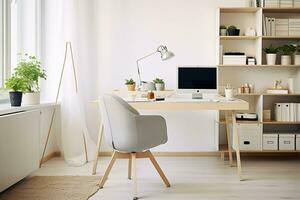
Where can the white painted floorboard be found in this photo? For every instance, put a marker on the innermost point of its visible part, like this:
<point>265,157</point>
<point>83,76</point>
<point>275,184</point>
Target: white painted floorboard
<point>206,178</point>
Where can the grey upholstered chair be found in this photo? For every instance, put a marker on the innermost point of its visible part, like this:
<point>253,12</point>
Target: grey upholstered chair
<point>131,135</point>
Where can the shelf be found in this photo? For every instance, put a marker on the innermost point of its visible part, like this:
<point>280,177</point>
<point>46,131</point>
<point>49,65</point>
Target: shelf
<point>222,121</point>
<point>265,94</point>
<point>238,10</point>
<point>281,10</point>
<point>239,37</point>
<point>224,148</point>
<point>281,123</point>
<point>281,37</point>
<point>265,66</point>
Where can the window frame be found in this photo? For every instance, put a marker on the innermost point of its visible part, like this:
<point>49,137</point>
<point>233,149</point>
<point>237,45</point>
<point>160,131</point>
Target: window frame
<point>5,38</point>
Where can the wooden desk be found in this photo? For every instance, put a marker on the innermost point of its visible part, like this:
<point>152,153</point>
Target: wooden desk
<point>230,108</point>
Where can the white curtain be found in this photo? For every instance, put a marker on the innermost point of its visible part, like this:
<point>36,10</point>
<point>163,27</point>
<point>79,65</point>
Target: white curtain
<point>73,21</point>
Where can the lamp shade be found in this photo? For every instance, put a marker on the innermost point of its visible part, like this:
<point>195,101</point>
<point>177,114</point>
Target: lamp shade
<point>164,52</point>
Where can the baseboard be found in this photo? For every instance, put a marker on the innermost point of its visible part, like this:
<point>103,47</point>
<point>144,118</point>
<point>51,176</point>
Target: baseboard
<point>50,156</point>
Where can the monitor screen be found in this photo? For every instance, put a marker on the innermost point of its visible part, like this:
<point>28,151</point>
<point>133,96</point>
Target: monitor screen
<point>197,78</point>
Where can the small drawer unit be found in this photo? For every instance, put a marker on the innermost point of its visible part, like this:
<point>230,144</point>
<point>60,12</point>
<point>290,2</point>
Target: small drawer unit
<point>298,142</point>
<point>270,142</point>
<point>286,142</point>
<point>250,137</point>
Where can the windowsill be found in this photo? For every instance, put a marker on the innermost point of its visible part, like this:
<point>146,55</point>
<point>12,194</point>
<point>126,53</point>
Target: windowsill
<point>6,109</point>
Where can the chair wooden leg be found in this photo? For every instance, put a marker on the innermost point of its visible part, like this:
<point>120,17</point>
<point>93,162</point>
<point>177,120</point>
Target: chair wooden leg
<point>129,167</point>
<point>133,157</point>
<point>158,169</point>
<point>108,169</point>
<point>99,140</point>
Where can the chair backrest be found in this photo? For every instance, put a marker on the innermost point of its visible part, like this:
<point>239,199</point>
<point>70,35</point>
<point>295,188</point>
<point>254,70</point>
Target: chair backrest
<point>119,122</point>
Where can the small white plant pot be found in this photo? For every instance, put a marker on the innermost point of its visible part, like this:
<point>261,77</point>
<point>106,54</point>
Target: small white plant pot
<point>223,32</point>
<point>271,59</point>
<point>160,86</point>
<point>297,60</point>
<point>286,60</point>
<point>31,98</point>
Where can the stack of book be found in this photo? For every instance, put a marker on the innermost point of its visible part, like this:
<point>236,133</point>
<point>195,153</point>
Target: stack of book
<point>294,27</point>
<point>281,27</point>
<point>271,3</point>
<point>287,112</point>
<point>286,3</point>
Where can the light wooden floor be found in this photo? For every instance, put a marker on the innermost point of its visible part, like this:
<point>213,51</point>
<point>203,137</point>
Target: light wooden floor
<point>206,178</point>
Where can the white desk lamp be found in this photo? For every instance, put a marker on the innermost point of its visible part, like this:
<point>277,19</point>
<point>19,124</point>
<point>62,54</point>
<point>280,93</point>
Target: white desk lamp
<point>165,55</point>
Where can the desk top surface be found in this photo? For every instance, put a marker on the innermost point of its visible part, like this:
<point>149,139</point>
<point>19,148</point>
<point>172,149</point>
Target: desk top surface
<point>185,102</point>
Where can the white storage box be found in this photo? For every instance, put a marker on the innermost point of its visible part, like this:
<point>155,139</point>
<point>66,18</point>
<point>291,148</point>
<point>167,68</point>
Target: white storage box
<point>298,142</point>
<point>234,60</point>
<point>250,137</point>
<point>270,142</point>
<point>286,142</point>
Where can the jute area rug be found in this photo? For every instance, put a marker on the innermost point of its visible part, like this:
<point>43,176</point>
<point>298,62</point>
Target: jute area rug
<point>53,188</point>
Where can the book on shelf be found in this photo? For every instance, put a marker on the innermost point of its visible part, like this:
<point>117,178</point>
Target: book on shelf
<point>298,112</point>
<point>271,3</point>
<point>294,27</point>
<point>278,112</point>
<point>282,27</point>
<point>296,3</point>
<point>286,3</point>
<point>285,112</point>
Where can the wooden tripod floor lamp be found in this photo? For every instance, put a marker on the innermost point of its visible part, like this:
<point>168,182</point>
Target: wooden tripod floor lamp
<point>68,47</point>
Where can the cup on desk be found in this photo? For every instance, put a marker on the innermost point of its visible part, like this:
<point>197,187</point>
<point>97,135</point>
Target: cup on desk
<point>131,97</point>
<point>229,95</point>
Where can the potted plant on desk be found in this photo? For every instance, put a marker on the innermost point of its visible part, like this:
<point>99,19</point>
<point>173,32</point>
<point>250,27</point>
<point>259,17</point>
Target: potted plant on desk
<point>286,52</point>
<point>16,85</point>
<point>159,84</point>
<point>130,84</point>
<point>30,70</point>
<point>233,31</point>
<point>271,53</point>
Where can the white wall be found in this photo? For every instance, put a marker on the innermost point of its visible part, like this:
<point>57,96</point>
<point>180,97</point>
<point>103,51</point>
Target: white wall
<point>133,28</point>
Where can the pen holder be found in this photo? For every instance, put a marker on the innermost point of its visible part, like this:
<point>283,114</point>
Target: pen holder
<point>229,94</point>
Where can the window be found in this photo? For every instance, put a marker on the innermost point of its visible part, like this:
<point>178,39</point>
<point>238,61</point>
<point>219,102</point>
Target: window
<point>4,40</point>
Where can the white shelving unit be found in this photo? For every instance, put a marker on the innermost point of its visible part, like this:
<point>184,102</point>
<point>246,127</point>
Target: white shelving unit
<point>261,75</point>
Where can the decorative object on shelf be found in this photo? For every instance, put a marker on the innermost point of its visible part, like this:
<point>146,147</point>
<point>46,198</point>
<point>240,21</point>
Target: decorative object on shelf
<point>16,85</point>
<point>30,69</point>
<point>291,85</point>
<point>247,116</point>
<point>234,58</point>
<point>277,88</point>
<point>233,31</point>
<point>229,95</point>
<point>159,84</point>
<point>250,32</point>
<point>130,83</point>
<point>251,61</point>
<point>267,115</point>
<point>271,53</point>
<point>223,30</point>
<point>246,89</point>
<point>165,55</point>
<point>286,52</point>
<point>297,55</point>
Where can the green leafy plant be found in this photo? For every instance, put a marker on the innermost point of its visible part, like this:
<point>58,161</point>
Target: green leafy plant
<point>158,81</point>
<point>16,83</point>
<point>232,27</point>
<point>129,82</point>
<point>271,50</point>
<point>29,68</point>
<point>287,49</point>
<point>223,27</point>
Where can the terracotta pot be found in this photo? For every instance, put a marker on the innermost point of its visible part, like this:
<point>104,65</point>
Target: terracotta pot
<point>131,87</point>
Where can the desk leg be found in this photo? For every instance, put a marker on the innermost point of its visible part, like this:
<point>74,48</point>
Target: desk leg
<point>227,118</point>
<point>236,135</point>
<point>99,140</point>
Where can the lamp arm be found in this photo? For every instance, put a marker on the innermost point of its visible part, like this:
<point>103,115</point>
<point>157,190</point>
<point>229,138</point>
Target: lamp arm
<point>138,67</point>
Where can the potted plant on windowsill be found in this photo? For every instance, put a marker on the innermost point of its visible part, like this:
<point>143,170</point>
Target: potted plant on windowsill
<point>271,53</point>
<point>130,84</point>
<point>286,52</point>
<point>159,84</point>
<point>29,68</point>
<point>16,85</point>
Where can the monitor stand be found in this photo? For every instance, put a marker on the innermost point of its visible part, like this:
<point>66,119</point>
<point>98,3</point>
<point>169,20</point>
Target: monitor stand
<point>197,95</point>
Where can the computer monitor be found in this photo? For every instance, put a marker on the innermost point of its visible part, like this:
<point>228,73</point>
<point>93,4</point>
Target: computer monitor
<point>198,79</point>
